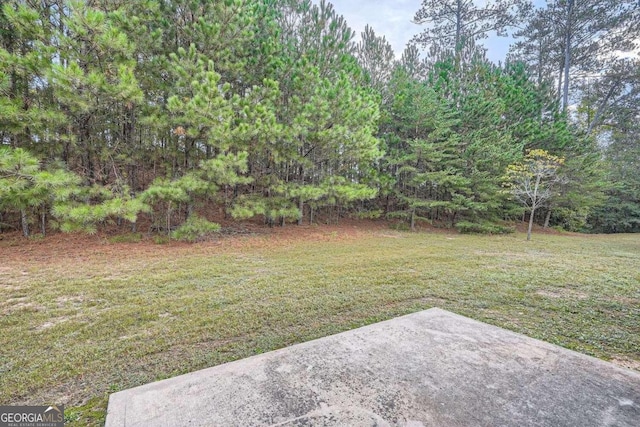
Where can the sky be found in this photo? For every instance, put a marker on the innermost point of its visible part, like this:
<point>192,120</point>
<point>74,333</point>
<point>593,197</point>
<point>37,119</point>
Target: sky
<point>392,19</point>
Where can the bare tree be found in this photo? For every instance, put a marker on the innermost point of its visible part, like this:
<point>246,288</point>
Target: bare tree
<point>531,182</point>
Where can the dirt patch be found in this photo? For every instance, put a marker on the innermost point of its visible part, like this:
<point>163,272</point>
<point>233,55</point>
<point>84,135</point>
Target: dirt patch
<point>11,288</point>
<point>79,248</point>
<point>390,235</point>
<point>522,227</point>
<point>13,306</point>
<point>626,363</point>
<point>633,302</point>
<point>562,294</point>
<point>66,301</point>
<point>52,323</point>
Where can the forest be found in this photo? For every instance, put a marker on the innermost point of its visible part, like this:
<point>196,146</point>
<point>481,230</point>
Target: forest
<point>167,116</point>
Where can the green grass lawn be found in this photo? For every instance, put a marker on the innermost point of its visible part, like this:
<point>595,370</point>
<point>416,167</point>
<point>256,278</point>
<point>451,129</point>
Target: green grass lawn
<point>79,323</point>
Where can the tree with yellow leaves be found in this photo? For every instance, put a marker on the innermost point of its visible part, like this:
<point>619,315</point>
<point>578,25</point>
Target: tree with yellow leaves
<point>531,181</point>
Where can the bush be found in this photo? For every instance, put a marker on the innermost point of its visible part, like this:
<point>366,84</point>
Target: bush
<point>194,229</point>
<point>400,226</point>
<point>467,227</point>
<point>161,240</point>
<point>374,214</point>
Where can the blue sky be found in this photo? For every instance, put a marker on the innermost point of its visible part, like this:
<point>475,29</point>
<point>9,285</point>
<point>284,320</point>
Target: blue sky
<point>392,19</point>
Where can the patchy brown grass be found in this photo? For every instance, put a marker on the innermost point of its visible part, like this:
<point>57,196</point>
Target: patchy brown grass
<point>83,317</point>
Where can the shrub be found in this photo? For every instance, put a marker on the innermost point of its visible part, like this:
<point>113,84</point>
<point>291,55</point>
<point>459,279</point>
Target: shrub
<point>161,240</point>
<point>374,214</point>
<point>400,226</point>
<point>194,229</point>
<point>467,227</point>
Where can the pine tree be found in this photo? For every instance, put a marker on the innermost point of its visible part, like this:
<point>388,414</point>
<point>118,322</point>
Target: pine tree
<point>452,23</point>
<point>26,187</point>
<point>620,210</point>
<point>94,83</point>
<point>577,40</point>
<point>375,55</point>
<point>424,154</point>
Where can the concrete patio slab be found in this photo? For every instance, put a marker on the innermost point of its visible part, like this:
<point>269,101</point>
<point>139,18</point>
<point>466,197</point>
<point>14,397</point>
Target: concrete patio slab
<point>432,368</point>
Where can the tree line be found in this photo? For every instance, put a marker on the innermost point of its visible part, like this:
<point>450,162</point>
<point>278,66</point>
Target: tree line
<point>175,111</point>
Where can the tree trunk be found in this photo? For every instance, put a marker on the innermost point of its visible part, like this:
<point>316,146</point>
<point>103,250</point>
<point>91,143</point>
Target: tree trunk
<point>84,136</point>
<point>458,26</point>
<point>226,201</point>
<point>547,219</point>
<point>301,208</point>
<point>560,83</point>
<point>133,178</point>
<point>25,222</point>
<point>567,57</point>
<point>533,211</point>
<point>539,62</point>
<point>168,221</point>
<point>534,205</point>
<point>188,144</point>
<point>43,222</point>
<point>601,108</point>
<point>413,220</point>
<point>189,210</point>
